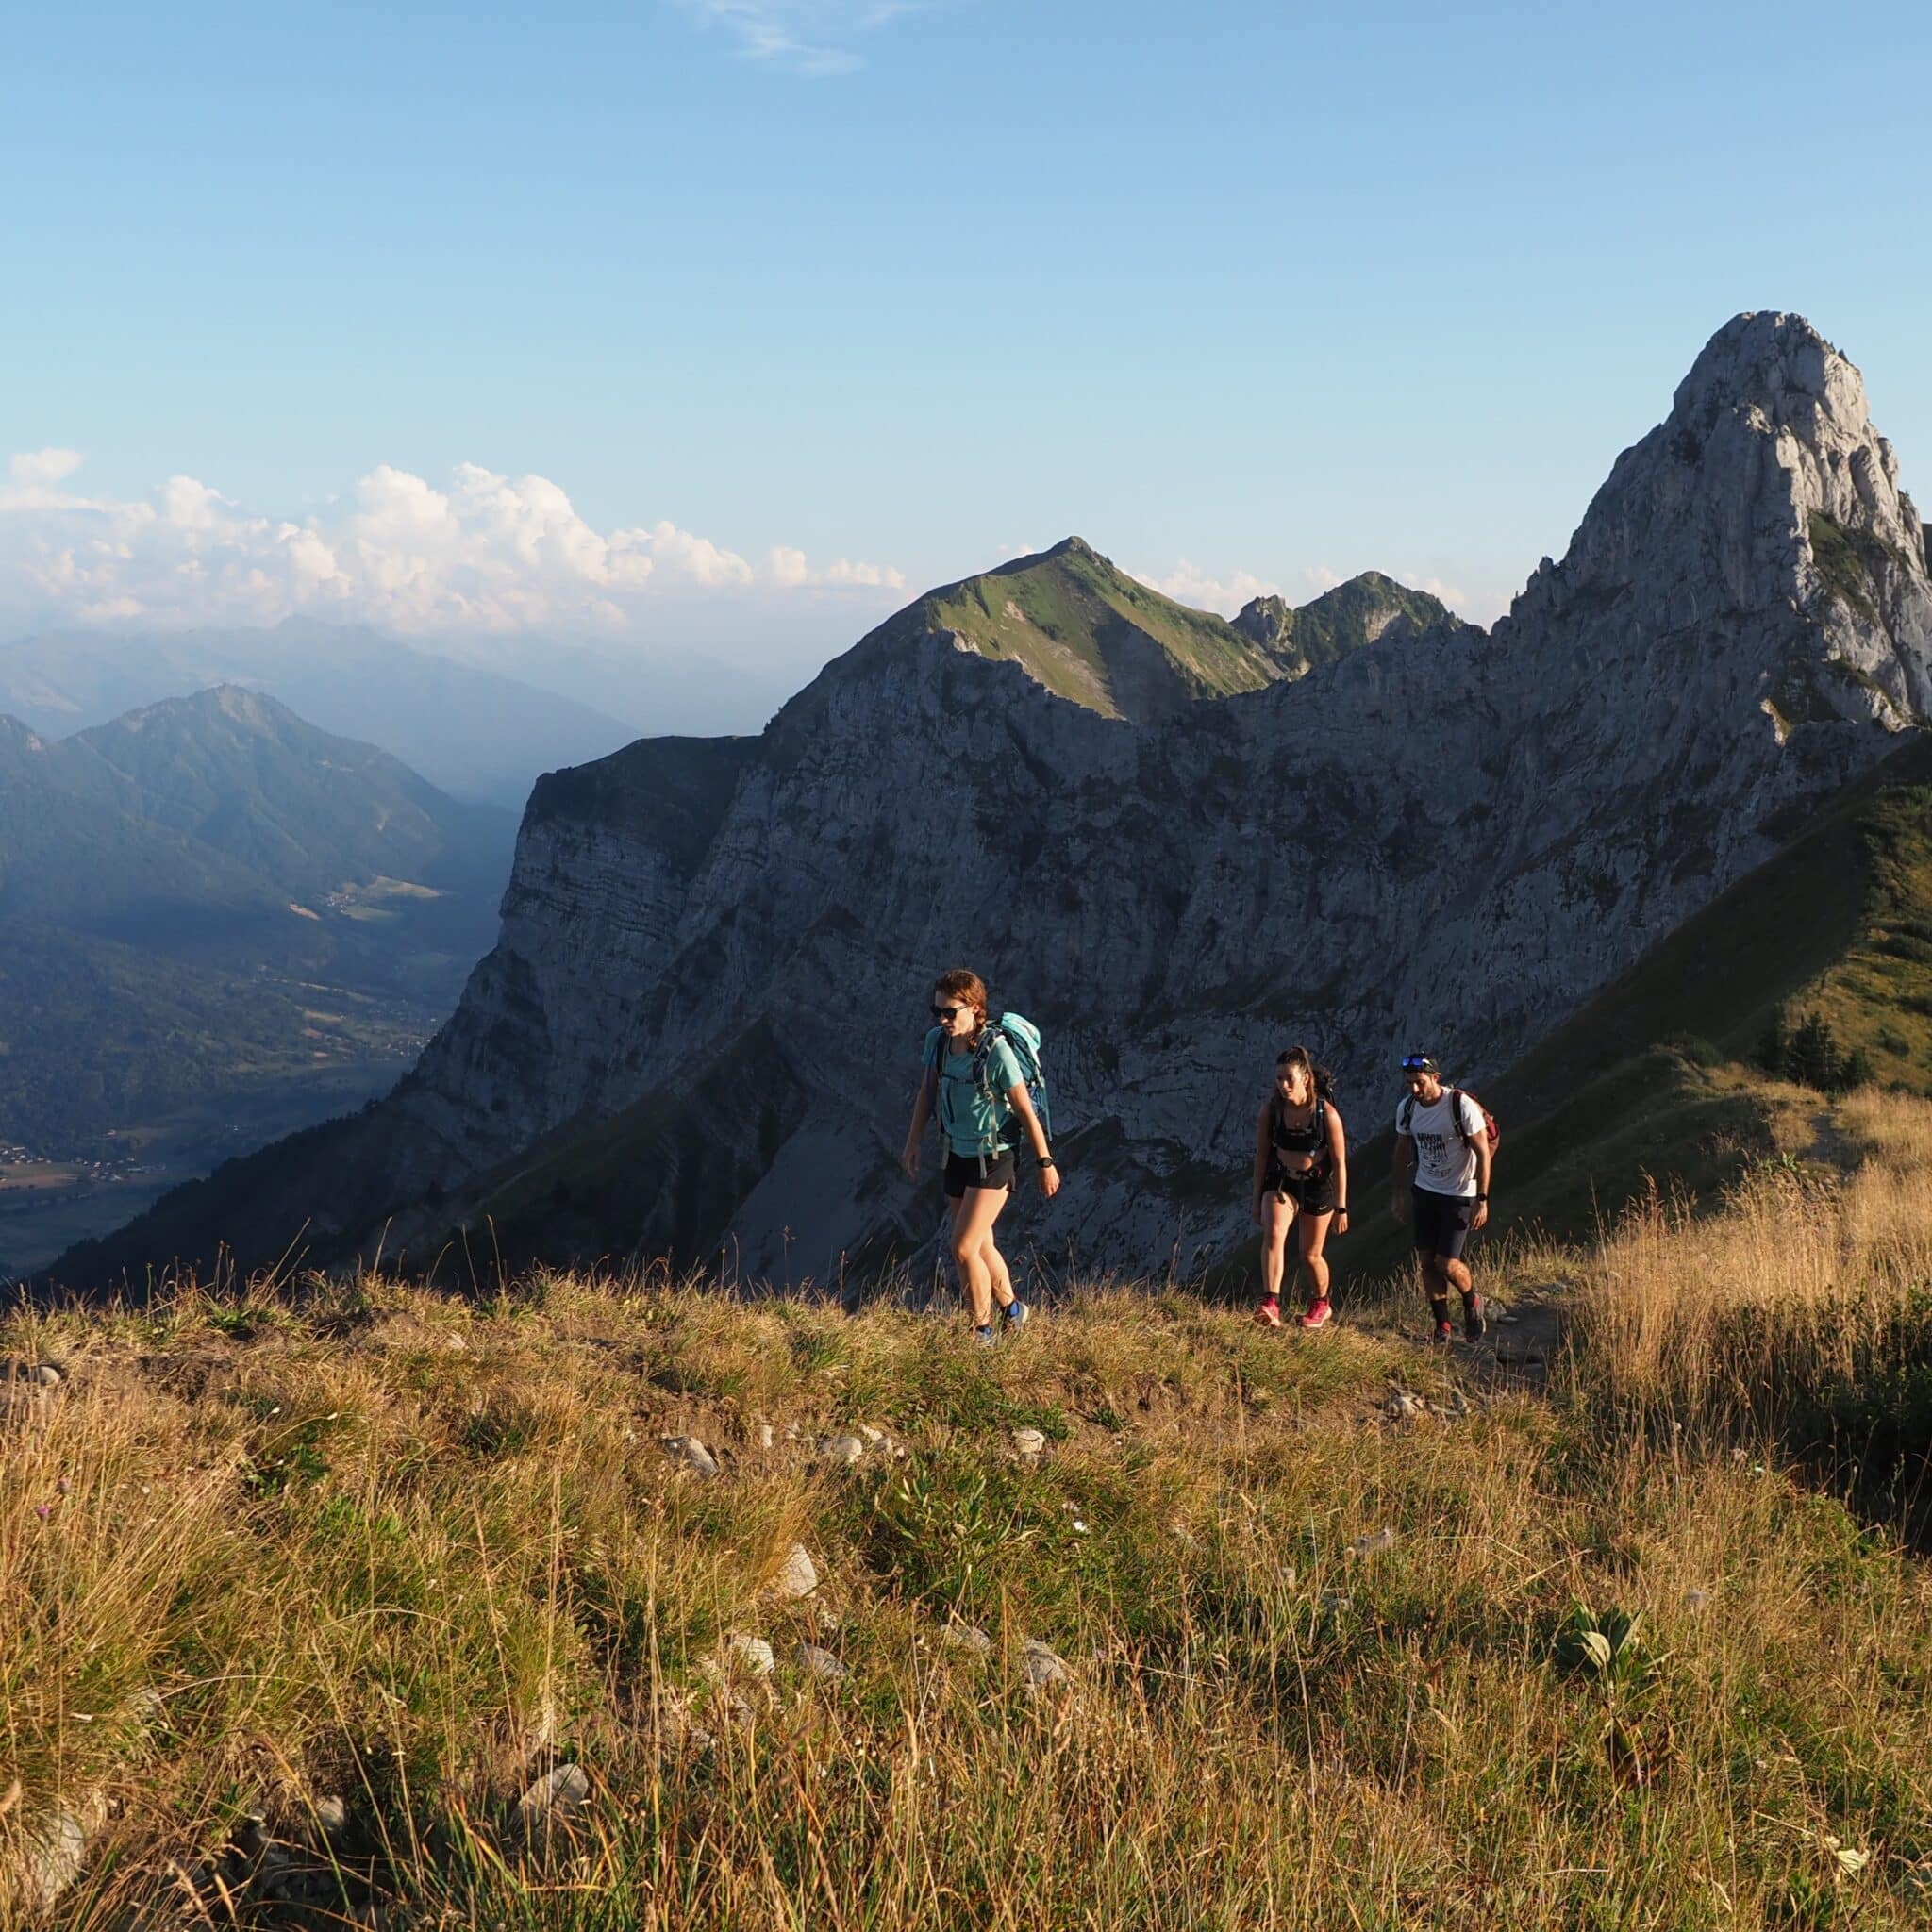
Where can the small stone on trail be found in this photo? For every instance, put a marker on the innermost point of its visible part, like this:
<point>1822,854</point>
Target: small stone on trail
<point>822,1663</point>
<point>555,1795</point>
<point>1337,1602</point>
<point>331,1817</point>
<point>844,1450</point>
<point>1402,1404</point>
<point>1031,1443</point>
<point>1375,1545</point>
<point>54,1852</point>
<point>967,1637</point>
<point>693,1453</point>
<point>754,1653</point>
<point>873,1436</point>
<point>1696,1599</point>
<point>48,1376</point>
<point>1042,1667</point>
<point>798,1575</point>
<point>763,1436</point>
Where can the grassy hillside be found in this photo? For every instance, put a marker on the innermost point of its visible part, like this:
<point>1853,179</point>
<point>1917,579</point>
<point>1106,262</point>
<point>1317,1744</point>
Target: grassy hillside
<point>352,1596</point>
<point>1655,1079</point>
<point>1093,635</point>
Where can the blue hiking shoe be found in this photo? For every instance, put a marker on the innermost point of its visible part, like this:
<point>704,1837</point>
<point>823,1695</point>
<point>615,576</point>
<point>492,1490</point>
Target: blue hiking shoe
<point>987,1336</point>
<point>1017,1313</point>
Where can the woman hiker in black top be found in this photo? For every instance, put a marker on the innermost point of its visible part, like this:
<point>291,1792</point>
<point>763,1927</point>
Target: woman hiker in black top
<point>1301,1175</point>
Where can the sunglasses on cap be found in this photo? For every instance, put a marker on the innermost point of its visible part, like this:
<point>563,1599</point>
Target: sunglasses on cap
<point>1419,1063</point>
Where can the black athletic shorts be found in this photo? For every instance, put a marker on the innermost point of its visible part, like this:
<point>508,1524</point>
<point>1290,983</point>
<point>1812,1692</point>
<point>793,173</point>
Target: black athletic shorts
<point>1441,1222</point>
<point>1313,1192</point>
<point>965,1170</point>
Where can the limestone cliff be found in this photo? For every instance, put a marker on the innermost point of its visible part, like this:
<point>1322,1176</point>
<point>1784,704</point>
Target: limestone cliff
<point>699,1027</point>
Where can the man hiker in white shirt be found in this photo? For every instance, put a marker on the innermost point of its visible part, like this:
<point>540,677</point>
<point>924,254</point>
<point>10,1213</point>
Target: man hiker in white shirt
<point>1442,1185</point>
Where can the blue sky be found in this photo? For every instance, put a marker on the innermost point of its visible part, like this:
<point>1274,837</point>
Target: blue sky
<point>785,309</point>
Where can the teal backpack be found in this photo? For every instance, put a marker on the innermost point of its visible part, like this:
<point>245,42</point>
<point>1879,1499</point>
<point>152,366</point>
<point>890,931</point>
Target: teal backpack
<point>1023,1037</point>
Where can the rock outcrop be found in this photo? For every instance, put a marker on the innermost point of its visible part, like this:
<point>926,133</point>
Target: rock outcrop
<point>699,1028</point>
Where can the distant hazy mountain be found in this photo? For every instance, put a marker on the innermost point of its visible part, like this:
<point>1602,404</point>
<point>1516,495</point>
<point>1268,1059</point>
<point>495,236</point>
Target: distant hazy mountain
<point>471,732</point>
<point>210,895</point>
<point>239,772</point>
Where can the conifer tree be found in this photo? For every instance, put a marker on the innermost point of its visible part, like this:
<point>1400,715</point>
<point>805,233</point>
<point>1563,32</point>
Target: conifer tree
<point>1813,1056</point>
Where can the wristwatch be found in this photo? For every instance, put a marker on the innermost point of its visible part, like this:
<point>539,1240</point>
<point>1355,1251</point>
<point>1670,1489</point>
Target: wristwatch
<point>1046,1160</point>
<point>1482,1197</point>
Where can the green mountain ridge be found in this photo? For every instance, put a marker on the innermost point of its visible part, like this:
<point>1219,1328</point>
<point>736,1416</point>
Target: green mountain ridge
<point>1089,633</point>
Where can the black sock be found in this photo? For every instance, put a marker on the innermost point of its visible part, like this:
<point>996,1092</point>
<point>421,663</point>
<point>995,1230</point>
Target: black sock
<point>1439,1308</point>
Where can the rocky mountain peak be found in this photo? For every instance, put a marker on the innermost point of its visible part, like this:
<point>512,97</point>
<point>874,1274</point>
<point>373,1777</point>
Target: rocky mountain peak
<point>1765,489</point>
<point>1267,621</point>
<point>1342,619</point>
<point>1776,362</point>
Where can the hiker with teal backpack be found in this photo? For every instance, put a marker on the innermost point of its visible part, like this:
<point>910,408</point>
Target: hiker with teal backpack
<point>984,1085</point>
<point>1301,1179</point>
<point>1445,1140</point>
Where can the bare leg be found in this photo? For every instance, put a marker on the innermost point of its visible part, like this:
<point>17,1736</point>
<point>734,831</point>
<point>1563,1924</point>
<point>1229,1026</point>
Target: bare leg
<point>996,1267</point>
<point>1456,1275</point>
<point>1314,1263</point>
<point>1277,1217</point>
<point>972,1220</point>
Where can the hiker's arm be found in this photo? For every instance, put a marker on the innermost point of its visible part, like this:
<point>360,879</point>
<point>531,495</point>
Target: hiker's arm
<point>1481,1145</point>
<point>1337,1152</point>
<point>1405,1166</point>
<point>1022,1103</point>
<point>1261,1151</point>
<point>922,1112</point>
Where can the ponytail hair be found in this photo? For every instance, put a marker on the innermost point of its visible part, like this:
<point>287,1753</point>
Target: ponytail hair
<point>1319,1079</point>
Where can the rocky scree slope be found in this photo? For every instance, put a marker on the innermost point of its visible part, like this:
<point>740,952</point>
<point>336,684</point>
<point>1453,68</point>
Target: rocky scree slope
<point>699,1027</point>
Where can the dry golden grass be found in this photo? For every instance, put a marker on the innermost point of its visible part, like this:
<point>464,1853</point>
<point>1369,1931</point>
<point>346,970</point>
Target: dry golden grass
<point>355,1541</point>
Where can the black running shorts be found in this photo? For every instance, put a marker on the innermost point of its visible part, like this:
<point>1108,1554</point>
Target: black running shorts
<point>1314,1193</point>
<point>965,1170</point>
<point>1441,1222</point>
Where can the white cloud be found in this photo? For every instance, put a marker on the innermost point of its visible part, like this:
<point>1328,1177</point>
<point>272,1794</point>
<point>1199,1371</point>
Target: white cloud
<point>43,466</point>
<point>790,569</point>
<point>1186,583</point>
<point>488,553</point>
<point>810,37</point>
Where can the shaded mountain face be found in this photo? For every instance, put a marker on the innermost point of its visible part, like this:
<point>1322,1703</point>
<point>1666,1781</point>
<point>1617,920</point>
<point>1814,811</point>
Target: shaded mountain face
<point>469,732</point>
<point>700,1024</point>
<point>211,893</point>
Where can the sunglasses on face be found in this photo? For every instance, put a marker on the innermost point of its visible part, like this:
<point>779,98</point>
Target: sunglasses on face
<point>947,1013</point>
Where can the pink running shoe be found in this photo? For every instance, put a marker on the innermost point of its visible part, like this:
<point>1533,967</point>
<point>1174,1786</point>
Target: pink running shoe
<point>1319,1314</point>
<point>1268,1313</point>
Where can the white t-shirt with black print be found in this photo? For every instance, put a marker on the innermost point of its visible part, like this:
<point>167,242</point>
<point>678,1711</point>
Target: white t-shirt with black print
<point>1445,1160</point>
